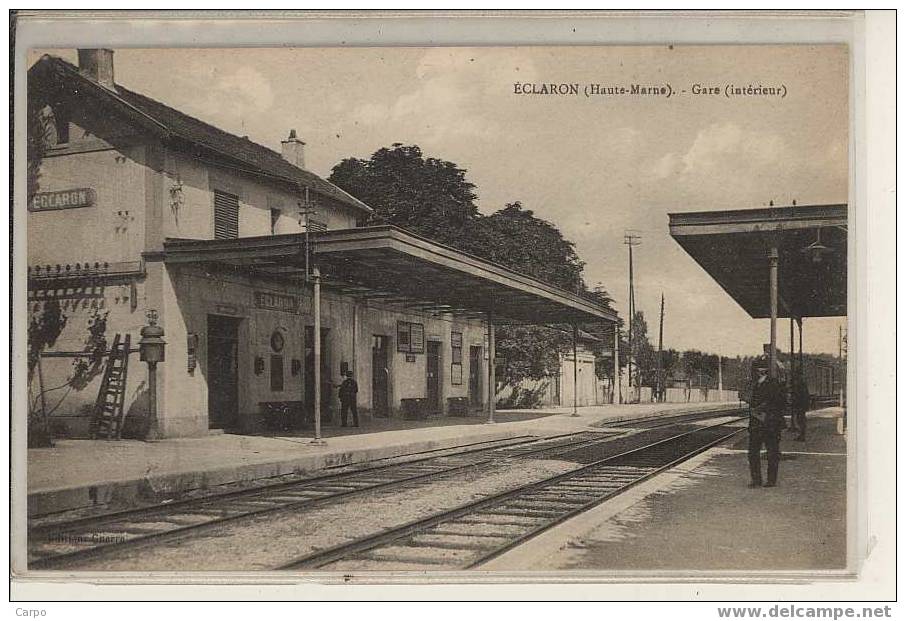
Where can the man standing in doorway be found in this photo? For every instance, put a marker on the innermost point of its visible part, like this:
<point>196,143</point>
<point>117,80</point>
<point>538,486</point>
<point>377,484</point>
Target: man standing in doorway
<point>349,390</point>
<point>766,409</point>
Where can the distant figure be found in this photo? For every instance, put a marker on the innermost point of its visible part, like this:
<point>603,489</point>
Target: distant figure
<point>801,400</point>
<point>349,390</point>
<point>767,403</point>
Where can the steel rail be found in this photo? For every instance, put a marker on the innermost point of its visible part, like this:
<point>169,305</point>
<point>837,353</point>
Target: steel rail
<point>590,505</point>
<point>680,417</point>
<point>342,551</point>
<point>209,504</point>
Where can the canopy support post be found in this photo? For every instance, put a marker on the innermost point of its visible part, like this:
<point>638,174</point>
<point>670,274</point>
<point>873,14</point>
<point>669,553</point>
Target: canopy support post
<point>618,390</point>
<point>492,379</point>
<point>575,370</point>
<point>316,309</point>
<point>774,259</point>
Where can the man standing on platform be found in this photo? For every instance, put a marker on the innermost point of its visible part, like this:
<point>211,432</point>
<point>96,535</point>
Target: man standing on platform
<point>349,390</point>
<point>766,408</point>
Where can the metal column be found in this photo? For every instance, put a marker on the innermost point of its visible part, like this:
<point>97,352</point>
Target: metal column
<point>618,391</point>
<point>575,370</point>
<point>774,260</point>
<point>492,380</point>
<point>316,309</point>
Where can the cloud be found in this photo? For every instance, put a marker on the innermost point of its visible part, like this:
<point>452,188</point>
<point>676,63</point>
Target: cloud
<point>237,100</point>
<point>446,104</point>
<point>726,146</point>
<point>250,86</point>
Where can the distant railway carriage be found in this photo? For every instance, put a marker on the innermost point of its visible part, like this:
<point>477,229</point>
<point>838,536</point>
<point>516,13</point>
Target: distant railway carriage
<point>821,378</point>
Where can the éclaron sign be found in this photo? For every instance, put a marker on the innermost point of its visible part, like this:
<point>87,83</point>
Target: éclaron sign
<point>62,199</point>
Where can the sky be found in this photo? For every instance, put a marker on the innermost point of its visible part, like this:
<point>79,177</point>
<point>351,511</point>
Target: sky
<point>593,166</point>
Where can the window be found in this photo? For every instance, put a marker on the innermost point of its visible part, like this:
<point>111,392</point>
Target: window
<point>275,217</point>
<point>276,373</point>
<point>456,363</point>
<point>456,346</point>
<point>226,215</point>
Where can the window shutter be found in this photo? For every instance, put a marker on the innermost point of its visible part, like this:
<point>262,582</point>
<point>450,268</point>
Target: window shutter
<point>226,215</point>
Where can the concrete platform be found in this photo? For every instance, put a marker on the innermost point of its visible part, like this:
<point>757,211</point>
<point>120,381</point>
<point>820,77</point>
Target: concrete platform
<point>78,474</point>
<point>702,516</point>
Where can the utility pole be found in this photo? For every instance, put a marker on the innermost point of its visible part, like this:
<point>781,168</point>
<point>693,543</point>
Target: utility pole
<point>841,350</point>
<point>720,373</point>
<point>631,238</point>
<point>660,349</point>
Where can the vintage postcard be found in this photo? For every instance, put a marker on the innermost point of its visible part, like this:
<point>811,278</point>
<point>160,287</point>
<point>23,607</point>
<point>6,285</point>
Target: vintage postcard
<point>381,312</point>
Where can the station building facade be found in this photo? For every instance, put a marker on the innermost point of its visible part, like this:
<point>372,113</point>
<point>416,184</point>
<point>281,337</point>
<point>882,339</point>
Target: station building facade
<point>139,207</point>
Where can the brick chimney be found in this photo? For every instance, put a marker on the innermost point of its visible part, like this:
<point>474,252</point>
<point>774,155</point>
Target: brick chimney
<point>293,150</point>
<point>97,65</point>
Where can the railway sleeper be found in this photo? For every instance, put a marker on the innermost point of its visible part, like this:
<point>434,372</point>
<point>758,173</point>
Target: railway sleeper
<point>590,488</point>
<point>484,519</point>
<point>190,519</point>
<point>520,512</point>
<point>457,542</point>
<point>569,497</point>
<point>533,504</point>
<point>480,530</point>
<point>424,554</point>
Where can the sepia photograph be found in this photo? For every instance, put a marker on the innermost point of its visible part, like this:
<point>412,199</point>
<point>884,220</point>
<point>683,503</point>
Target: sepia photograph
<point>387,313</point>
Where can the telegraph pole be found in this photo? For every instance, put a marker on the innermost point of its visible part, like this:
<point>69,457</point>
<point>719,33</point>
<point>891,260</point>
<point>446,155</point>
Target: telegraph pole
<point>631,238</point>
<point>660,349</point>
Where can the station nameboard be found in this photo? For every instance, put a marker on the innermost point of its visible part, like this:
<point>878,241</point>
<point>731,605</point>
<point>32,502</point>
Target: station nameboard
<point>277,301</point>
<point>62,199</point>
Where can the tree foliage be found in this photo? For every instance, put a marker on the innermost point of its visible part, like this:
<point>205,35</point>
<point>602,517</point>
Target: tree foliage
<point>515,237</point>
<point>432,197</point>
<point>428,196</point>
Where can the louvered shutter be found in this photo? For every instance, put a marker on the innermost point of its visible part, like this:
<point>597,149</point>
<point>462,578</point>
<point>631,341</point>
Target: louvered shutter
<point>226,215</point>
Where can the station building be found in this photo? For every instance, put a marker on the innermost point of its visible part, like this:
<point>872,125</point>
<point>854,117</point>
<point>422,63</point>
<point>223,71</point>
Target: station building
<point>260,272</point>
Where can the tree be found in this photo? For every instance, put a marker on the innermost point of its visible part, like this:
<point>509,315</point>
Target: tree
<point>514,237</point>
<point>644,356</point>
<point>432,197</point>
<point>428,196</point>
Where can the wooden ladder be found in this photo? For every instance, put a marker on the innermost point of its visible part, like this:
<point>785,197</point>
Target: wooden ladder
<point>109,410</point>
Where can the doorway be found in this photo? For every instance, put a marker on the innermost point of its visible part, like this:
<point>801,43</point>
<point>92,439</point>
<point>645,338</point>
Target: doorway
<point>223,372</point>
<point>476,398</point>
<point>432,372</point>
<point>327,393</point>
<point>380,376</point>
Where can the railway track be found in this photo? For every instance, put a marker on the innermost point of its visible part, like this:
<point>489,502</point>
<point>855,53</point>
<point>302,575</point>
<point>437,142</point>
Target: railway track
<point>64,544</point>
<point>472,534</point>
<point>649,422</point>
<point>54,543</point>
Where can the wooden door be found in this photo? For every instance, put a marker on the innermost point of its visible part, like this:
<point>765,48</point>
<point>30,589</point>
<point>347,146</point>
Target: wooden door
<point>476,397</point>
<point>380,376</point>
<point>223,372</point>
<point>432,392</point>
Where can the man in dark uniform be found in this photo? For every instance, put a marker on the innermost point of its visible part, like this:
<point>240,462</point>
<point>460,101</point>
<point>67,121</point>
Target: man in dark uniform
<point>349,390</point>
<point>766,408</point>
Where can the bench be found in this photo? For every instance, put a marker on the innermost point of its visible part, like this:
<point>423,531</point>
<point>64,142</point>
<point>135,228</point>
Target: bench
<point>281,415</point>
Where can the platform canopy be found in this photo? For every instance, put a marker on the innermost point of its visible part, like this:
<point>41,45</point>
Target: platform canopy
<point>392,265</point>
<point>733,246</point>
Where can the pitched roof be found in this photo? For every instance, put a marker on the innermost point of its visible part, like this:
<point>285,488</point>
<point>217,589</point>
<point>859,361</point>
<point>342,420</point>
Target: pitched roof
<point>177,125</point>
